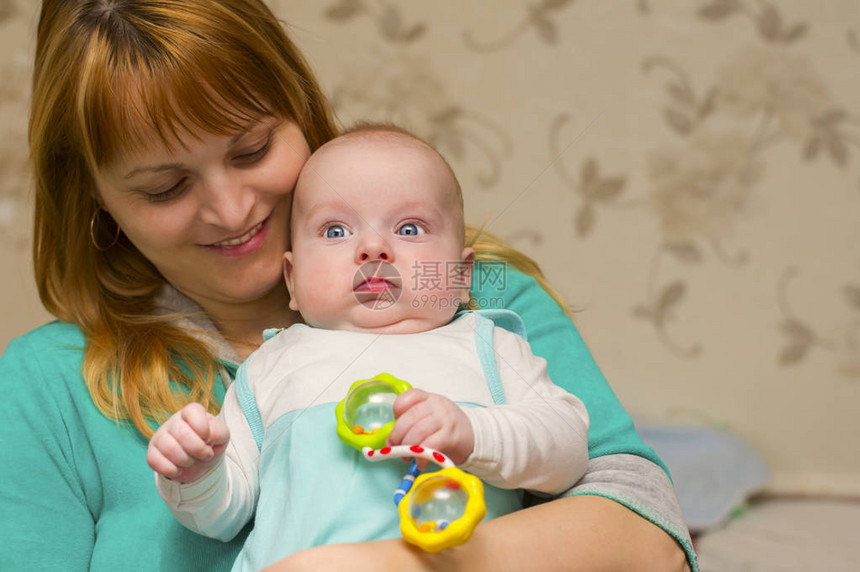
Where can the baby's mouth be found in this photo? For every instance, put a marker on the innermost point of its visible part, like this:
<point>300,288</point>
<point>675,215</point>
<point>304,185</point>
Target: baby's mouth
<point>376,279</point>
<point>376,285</point>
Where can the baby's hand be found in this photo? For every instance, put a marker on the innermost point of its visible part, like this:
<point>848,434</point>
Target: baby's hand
<point>188,444</point>
<point>434,421</point>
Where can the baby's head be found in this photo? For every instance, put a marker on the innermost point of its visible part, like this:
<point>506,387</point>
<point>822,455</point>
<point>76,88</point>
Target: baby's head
<point>377,236</point>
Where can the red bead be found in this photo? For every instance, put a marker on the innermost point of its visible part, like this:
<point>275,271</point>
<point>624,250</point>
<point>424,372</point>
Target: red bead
<point>385,450</point>
<point>416,449</point>
<point>439,457</point>
<point>370,453</point>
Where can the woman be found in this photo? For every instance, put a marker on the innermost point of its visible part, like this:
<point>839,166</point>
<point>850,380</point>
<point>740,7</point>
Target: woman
<point>166,138</point>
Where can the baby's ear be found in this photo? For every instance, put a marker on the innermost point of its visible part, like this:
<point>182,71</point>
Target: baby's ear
<point>288,278</point>
<point>468,257</point>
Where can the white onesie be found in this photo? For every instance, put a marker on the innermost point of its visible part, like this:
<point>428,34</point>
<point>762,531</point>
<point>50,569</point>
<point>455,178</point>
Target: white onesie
<point>286,467</point>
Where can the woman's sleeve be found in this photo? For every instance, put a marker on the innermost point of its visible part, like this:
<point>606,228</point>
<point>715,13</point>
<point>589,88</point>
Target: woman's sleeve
<point>46,523</point>
<point>621,466</point>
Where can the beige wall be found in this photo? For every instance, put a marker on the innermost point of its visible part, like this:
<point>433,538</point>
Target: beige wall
<point>21,307</point>
<point>687,172</point>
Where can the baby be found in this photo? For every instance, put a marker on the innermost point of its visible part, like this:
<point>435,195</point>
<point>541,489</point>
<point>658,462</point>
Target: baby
<point>371,209</point>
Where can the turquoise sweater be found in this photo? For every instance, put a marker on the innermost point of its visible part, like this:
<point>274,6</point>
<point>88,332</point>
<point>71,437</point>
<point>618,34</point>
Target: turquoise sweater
<point>76,492</point>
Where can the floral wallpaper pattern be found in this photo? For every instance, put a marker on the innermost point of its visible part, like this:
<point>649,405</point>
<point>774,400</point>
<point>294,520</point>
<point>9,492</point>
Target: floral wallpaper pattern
<point>699,186</point>
<point>687,172</point>
<point>405,91</point>
<point>14,91</point>
<point>7,10</point>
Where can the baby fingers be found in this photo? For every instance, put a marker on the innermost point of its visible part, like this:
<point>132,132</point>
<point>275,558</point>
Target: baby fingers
<point>159,463</point>
<point>167,457</point>
<point>219,434</point>
<point>418,432</point>
<point>195,416</point>
<point>188,443</point>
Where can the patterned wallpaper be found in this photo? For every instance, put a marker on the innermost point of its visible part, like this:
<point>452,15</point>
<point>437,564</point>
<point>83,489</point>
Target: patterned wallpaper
<point>686,171</point>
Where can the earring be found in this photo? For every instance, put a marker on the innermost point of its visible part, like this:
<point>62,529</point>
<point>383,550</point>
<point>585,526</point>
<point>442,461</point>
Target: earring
<point>93,232</point>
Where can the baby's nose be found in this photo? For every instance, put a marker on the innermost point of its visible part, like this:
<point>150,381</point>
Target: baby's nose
<point>374,248</point>
<point>367,255</point>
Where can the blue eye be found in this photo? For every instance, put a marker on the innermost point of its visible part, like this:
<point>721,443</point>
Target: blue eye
<point>410,229</point>
<point>336,231</point>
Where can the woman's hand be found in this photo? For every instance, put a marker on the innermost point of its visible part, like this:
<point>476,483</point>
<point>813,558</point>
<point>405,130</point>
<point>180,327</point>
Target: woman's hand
<point>433,421</point>
<point>188,444</point>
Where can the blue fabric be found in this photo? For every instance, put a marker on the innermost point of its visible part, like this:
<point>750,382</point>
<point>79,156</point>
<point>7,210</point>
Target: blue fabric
<point>484,348</point>
<point>270,333</point>
<point>308,477</point>
<point>76,491</point>
<point>505,319</point>
<point>249,405</point>
<point>714,470</point>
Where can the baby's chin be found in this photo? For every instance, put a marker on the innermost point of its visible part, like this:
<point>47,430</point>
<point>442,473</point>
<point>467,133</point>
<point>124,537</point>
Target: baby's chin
<point>379,323</point>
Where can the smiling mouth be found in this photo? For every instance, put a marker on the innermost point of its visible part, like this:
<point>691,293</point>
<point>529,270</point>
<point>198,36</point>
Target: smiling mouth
<point>242,239</point>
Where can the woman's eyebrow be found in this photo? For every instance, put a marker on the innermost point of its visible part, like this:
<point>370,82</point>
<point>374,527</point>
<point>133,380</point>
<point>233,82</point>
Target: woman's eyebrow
<point>245,130</point>
<point>170,166</point>
<point>155,169</point>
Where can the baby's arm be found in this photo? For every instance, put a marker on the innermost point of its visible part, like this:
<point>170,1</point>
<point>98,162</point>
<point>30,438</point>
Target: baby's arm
<point>538,440</point>
<point>209,484</point>
<point>188,445</point>
<point>434,421</point>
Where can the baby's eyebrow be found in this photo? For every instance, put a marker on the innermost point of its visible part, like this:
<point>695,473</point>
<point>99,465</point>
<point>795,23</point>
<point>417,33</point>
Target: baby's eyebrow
<point>317,216</point>
<point>329,205</point>
<point>420,206</point>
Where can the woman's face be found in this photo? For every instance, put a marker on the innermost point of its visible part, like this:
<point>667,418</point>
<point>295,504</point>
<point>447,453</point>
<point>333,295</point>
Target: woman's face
<point>213,213</point>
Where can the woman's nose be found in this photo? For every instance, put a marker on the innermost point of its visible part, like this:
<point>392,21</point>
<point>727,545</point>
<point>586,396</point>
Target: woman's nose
<point>226,203</point>
<point>374,248</point>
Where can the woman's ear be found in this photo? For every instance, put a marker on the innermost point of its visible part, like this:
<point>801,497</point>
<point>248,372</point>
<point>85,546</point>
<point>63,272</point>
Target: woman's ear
<point>288,278</point>
<point>96,195</point>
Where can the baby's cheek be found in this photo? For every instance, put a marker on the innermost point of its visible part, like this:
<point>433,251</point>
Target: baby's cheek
<point>316,290</point>
<point>434,303</point>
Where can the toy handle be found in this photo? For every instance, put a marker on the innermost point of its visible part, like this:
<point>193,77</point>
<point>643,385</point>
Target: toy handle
<point>412,451</point>
<point>438,537</point>
<point>406,483</point>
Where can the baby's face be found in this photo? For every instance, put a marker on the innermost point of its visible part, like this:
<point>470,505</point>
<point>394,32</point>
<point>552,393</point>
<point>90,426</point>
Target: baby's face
<point>377,239</point>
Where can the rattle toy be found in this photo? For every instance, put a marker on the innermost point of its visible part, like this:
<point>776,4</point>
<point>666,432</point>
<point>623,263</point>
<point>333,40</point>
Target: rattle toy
<point>366,415</point>
<point>437,510</point>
